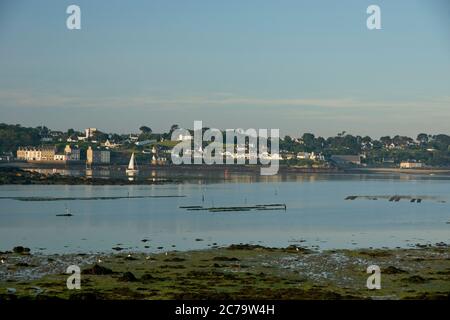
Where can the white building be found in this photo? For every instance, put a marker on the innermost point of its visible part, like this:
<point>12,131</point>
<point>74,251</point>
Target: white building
<point>411,165</point>
<point>44,153</point>
<point>59,157</point>
<point>110,144</point>
<point>303,155</point>
<point>184,137</point>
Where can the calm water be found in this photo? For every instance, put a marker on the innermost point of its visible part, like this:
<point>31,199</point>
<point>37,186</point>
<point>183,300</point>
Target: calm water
<point>316,213</point>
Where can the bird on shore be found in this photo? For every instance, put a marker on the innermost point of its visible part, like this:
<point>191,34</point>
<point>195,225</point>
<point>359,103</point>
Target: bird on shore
<point>2,261</point>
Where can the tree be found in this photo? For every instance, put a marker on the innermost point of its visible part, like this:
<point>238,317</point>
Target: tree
<point>173,128</point>
<point>13,136</point>
<point>145,130</point>
<point>386,140</point>
<point>99,136</point>
<point>308,142</point>
<point>422,138</point>
<point>43,130</point>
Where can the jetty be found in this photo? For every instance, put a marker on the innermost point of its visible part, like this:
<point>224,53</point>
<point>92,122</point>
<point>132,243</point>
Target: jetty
<point>258,207</point>
<point>396,198</point>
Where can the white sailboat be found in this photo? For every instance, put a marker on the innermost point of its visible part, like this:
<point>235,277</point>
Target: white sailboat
<point>132,166</point>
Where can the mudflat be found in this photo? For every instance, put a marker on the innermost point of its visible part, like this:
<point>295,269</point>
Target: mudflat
<point>234,272</point>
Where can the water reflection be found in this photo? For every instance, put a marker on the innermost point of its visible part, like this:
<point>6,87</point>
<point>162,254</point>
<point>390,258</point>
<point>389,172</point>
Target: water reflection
<point>203,174</point>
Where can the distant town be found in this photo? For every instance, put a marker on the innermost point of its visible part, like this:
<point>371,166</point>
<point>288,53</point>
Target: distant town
<point>95,147</point>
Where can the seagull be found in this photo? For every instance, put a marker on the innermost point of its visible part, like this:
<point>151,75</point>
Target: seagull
<point>99,260</point>
<point>2,261</point>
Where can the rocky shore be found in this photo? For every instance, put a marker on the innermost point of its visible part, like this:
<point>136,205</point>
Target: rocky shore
<point>12,175</point>
<point>234,272</point>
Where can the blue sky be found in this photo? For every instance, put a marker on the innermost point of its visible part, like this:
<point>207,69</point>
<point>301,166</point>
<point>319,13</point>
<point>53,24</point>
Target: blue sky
<point>301,66</point>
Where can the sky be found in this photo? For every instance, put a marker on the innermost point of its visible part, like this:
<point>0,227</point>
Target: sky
<point>300,66</point>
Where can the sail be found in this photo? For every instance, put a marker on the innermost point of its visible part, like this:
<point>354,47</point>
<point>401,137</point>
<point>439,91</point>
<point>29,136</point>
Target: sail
<point>131,164</point>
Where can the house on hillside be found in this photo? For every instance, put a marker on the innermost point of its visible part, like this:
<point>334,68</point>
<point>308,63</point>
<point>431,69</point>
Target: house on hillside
<point>44,153</point>
<point>97,156</point>
<point>346,159</point>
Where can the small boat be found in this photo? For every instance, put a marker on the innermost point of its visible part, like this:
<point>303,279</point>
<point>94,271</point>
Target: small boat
<point>67,214</point>
<point>132,166</point>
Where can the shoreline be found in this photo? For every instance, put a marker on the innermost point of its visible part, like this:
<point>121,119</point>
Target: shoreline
<point>421,171</point>
<point>10,175</point>
<point>235,272</point>
<point>247,168</point>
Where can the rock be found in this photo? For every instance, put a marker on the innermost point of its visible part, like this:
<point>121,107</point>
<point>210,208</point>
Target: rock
<point>198,239</point>
<point>415,279</point>
<point>444,272</point>
<point>128,277</point>
<point>294,248</point>
<point>97,270</point>
<point>147,277</point>
<point>393,270</point>
<point>221,258</point>
<point>11,290</point>
<point>441,244</point>
<point>175,259</point>
<point>37,290</point>
<point>21,250</point>
<point>22,264</point>
<point>117,248</point>
<point>242,246</point>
